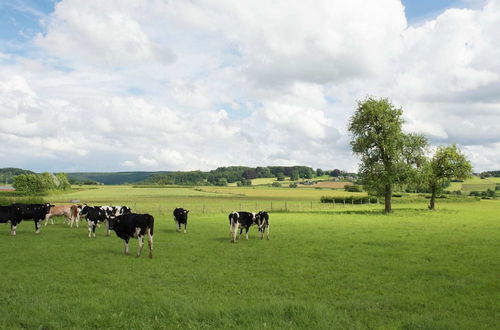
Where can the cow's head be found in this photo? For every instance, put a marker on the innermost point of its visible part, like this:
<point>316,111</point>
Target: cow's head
<point>84,209</point>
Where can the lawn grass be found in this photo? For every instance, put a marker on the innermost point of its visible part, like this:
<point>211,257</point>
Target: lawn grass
<point>349,267</point>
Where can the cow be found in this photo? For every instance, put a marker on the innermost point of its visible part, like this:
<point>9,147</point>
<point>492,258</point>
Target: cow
<point>181,217</point>
<point>37,212</point>
<point>94,215</point>
<point>69,211</point>
<point>131,225</point>
<point>114,211</point>
<point>262,219</point>
<point>10,214</point>
<point>242,220</point>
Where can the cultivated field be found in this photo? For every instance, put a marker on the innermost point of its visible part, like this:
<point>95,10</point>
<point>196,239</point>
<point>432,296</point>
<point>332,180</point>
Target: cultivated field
<point>324,267</point>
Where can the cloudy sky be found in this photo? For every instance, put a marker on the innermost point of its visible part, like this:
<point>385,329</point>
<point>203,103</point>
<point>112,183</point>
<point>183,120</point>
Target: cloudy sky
<point>118,85</point>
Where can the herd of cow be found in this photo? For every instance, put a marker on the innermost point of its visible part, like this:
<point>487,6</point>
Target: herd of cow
<point>121,219</point>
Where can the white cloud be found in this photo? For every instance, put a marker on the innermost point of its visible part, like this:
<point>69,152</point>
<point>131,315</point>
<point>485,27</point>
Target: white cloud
<point>201,84</point>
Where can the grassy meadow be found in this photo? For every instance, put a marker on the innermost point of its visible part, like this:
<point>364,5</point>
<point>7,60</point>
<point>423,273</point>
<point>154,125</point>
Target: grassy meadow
<point>324,267</point>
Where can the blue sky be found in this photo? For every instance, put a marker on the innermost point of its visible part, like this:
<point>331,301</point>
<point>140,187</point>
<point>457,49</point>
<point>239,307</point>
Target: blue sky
<point>117,85</point>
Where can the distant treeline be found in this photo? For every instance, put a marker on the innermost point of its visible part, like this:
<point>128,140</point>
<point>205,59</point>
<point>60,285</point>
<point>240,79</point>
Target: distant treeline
<point>240,174</point>
<point>489,174</point>
<point>7,174</point>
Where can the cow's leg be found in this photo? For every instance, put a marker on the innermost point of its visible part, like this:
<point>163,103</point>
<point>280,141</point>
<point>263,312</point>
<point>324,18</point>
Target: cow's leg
<point>241,231</point>
<point>267,232</point>
<point>185,225</point>
<point>47,217</point>
<point>126,246</point>
<point>246,232</point>
<point>77,221</point>
<point>150,242</point>
<point>140,240</point>
<point>235,231</point>
<point>13,227</point>
<point>38,225</point>
<point>107,227</point>
<point>91,227</point>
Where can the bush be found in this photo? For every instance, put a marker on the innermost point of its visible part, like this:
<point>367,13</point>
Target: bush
<point>293,185</point>
<point>349,200</point>
<point>353,188</point>
<point>276,184</point>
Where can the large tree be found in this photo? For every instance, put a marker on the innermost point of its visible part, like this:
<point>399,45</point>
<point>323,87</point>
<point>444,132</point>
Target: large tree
<point>447,163</point>
<point>388,156</point>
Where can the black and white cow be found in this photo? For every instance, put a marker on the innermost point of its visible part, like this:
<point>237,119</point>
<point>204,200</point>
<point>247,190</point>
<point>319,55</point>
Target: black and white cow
<point>94,215</point>
<point>262,219</point>
<point>181,217</point>
<point>10,214</point>
<point>114,211</point>
<point>37,212</point>
<point>242,220</point>
<point>131,225</point>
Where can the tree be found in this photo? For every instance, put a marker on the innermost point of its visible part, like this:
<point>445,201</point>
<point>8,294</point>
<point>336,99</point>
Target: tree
<point>319,172</point>
<point>280,176</point>
<point>388,156</point>
<point>294,176</point>
<point>447,163</point>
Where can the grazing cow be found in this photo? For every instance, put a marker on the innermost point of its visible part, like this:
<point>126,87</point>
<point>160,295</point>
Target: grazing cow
<point>262,219</point>
<point>37,212</point>
<point>131,225</point>
<point>242,220</point>
<point>69,211</point>
<point>94,215</point>
<point>181,217</point>
<point>9,213</point>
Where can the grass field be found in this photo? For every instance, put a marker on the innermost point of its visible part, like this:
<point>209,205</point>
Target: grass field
<point>323,268</point>
<point>474,184</point>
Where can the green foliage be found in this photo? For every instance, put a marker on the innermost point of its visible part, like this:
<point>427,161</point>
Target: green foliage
<point>39,183</point>
<point>293,185</point>
<point>244,183</point>
<point>487,193</point>
<point>294,176</point>
<point>388,156</point>
<point>319,172</point>
<point>349,199</point>
<point>276,184</point>
<point>7,174</point>
<point>447,163</point>
<point>353,188</point>
<point>280,176</point>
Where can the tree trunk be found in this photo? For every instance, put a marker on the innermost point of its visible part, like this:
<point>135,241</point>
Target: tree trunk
<point>388,196</point>
<point>432,204</point>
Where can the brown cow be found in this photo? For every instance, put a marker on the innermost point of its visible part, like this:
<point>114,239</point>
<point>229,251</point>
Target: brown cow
<point>71,212</point>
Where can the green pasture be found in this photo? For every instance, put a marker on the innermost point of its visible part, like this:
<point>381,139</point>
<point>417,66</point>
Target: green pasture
<point>324,267</point>
<point>474,184</point>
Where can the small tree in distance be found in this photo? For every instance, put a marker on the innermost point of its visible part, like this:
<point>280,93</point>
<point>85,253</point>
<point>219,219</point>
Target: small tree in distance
<point>447,163</point>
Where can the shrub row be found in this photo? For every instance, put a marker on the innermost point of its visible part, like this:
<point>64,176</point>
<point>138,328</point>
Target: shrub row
<point>349,200</point>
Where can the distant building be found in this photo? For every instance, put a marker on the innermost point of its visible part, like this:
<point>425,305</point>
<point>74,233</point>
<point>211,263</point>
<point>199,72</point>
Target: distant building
<point>7,188</point>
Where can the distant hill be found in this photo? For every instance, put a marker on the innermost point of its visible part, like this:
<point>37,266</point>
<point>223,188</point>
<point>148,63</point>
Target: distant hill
<point>6,174</point>
<point>112,177</point>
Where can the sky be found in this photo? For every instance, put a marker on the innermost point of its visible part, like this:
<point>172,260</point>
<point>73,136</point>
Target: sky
<point>126,85</point>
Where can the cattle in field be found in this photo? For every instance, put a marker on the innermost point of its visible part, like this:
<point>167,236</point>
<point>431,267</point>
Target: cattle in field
<point>10,214</point>
<point>241,220</point>
<point>262,219</point>
<point>37,212</point>
<point>94,215</point>
<point>181,218</point>
<point>131,225</point>
<point>70,212</point>
<point>114,211</point>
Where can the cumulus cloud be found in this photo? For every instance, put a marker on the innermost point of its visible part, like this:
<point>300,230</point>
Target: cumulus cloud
<point>201,84</point>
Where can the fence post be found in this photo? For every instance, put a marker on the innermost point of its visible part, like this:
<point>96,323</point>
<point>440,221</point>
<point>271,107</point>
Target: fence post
<point>333,203</point>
